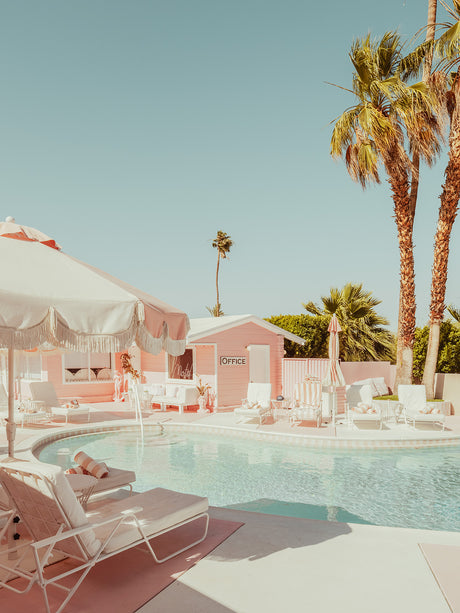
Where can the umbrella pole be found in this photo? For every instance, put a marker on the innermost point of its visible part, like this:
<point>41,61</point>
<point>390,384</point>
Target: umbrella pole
<point>10,425</point>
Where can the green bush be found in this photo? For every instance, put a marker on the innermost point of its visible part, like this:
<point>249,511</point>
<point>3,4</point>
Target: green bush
<point>449,349</point>
<point>311,328</point>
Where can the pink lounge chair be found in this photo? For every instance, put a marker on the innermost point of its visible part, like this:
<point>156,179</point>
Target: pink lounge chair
<point>43,499</point>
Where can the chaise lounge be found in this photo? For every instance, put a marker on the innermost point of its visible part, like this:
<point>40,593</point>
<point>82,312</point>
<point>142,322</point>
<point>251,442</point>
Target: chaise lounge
<point>361,407</point>
<point>44,391</point>
<point>57,523</point>
<point>415,409</point>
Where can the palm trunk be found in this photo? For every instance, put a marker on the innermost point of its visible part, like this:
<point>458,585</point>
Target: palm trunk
<point>430,32</point>
<point>404,361</point>
<point>399,183</point>
<point>217,281</point>
<point>447,214</point>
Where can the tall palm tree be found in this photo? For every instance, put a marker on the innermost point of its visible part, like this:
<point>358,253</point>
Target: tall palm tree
<point>427,56</point>
<point>223,243</point>
<point>390,120</point>
<point>448,49</point>
<point>363,336</point>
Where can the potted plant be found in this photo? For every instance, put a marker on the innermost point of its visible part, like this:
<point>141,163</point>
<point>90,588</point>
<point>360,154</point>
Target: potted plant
<point>202,389</point>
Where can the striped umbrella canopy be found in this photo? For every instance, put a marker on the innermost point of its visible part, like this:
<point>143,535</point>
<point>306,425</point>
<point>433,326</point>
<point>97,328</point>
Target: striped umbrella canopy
<point>334,375</point>
<point>49,298</point>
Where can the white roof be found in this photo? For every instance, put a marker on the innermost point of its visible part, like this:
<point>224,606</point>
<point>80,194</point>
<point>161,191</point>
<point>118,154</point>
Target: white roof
<point>201,327</point>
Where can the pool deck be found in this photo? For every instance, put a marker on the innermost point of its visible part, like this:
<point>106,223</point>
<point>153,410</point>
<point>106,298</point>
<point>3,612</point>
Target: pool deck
<point>277,563</point>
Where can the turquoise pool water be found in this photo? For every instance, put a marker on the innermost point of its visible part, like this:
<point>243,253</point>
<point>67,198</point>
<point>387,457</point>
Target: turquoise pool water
<point>417,489</point>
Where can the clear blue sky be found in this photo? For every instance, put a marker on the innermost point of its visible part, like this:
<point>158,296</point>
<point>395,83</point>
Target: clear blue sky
<point>131,131</point>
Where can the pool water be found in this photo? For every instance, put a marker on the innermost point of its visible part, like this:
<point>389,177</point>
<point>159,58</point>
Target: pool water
<point>414,489</point>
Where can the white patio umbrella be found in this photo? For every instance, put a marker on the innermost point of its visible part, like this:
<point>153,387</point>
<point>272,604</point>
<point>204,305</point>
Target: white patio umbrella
<point>334,376</point>
<point>49,298</point>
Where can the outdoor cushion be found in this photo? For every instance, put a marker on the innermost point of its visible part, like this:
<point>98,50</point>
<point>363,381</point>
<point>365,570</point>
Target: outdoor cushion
<point>380,385</point>
<point>161,509</point>
<point>369,382</point>
<point>171,390</point>
<point>117,477</point>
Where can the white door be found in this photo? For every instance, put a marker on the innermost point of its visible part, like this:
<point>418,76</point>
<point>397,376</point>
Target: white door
<point>259,363</point>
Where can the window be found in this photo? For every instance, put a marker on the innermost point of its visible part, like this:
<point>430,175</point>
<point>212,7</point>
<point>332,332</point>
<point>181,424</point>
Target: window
<point>86,367</point>
<point>181,366</point>
<point>30,366</point>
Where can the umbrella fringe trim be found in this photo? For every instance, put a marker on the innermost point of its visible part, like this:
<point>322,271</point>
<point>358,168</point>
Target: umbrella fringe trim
<point>97,343</point>
<point>54,331</point>
<point>26,339</point>
<point>154,345</point>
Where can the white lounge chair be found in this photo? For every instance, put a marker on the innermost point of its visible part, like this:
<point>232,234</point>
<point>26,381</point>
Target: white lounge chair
<point>362,395</point>
<point>57,523</point>
<point>415,410</point>
<point>44,391</point>
<point>257,405</point>
<point>116,479</point>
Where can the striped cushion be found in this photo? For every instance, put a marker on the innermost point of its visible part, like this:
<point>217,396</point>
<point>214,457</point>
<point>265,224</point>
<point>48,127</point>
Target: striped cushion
<point>97,469</point>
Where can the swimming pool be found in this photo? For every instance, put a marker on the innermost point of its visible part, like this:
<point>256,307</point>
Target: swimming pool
<point>416,489</point>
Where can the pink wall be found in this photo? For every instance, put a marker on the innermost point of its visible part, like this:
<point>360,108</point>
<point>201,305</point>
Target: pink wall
<point>153,367</point>
<point>100,391</point>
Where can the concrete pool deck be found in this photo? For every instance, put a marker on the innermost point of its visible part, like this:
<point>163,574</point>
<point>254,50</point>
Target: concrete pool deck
<point>274,563</point>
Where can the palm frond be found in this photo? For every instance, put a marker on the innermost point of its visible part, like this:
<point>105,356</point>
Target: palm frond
<point>455,313</point>
<point>412,64</point>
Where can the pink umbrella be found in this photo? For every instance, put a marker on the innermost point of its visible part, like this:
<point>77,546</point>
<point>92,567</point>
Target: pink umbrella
<point>334,376</point>
<point>50,298</point>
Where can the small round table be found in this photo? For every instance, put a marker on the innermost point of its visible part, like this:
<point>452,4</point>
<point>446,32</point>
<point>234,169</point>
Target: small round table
<point>83,486</point>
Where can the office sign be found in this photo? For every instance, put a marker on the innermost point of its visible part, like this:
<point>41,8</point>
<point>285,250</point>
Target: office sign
<point>232,360</point>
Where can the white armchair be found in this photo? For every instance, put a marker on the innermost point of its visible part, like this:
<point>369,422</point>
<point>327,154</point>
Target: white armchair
<point>257,405</point>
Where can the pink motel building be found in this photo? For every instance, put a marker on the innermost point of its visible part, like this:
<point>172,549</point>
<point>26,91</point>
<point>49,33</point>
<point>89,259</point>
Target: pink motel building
<point>225,352</point>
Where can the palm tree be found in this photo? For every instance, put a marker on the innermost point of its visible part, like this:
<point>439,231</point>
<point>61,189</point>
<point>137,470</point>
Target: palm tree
<point>223,243</point>
<point>390,120</point>
<point>448,48</point>
<point>363,337</point>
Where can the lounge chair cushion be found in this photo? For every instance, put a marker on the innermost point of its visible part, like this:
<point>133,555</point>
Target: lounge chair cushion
<point>161,509</point>
<point>171,390</point>
<point>64,493</point>
<point>117,477</point>
<point>381,386</point>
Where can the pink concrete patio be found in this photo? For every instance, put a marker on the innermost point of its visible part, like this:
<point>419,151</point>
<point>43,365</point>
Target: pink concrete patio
<point>274,562</point>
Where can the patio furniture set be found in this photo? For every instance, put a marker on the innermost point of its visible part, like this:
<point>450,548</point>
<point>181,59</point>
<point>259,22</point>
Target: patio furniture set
<point>259,406</point>
<point>361,407</point>
<point>43,405</point>
<point>180,396</point>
